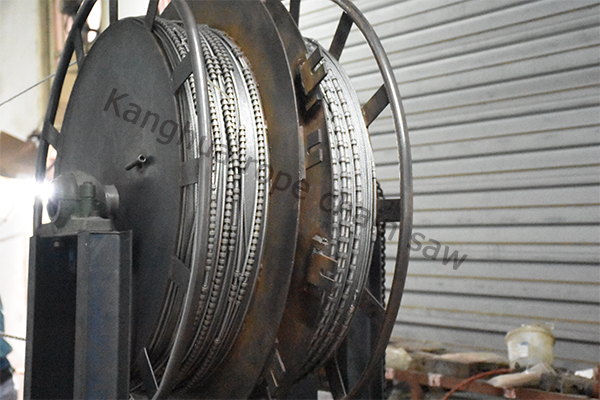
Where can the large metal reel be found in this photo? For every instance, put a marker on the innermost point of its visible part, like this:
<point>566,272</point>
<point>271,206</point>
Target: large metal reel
<point>150,195</point>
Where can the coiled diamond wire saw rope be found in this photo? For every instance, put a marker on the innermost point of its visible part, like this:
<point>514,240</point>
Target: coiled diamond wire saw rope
<point>353,206</point>
<point>238,199</point>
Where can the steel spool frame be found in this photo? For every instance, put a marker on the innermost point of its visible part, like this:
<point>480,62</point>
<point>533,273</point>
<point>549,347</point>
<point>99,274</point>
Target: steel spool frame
<point>381,315</point>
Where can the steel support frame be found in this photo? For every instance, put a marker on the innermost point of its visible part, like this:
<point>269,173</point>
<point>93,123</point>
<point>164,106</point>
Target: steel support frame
<point>78,316</point>
<point>417,381</point>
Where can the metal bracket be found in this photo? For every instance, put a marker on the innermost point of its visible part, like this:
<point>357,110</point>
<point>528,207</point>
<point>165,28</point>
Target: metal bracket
<point>313,139</point>
<point>313,158</point>
<point>375,105</point>
<point>183,70</point>
<point>388,210</point>
<point>311,72</point>
<point>190,171</point>
<point>50,134</point>
<point>314,154</point>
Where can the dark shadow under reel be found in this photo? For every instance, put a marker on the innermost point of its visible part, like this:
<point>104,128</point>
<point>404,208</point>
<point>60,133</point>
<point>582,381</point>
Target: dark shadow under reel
<point>251,197</point>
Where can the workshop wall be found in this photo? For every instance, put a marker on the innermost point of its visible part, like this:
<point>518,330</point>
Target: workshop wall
<point>24,45</point>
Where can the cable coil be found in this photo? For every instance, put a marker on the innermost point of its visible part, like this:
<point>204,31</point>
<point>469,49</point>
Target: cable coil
<point>238,200</point>
<point>353,207</point>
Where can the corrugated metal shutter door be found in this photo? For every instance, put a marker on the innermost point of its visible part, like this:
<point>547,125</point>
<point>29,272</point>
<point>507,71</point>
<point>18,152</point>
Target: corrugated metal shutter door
<point>502,100</point>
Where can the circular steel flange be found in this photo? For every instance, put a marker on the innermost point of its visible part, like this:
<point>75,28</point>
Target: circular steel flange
<point>244,21</point>
<point>300,319</point>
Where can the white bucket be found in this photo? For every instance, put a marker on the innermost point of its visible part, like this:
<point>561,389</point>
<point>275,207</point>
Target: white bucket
<point>530,345</point>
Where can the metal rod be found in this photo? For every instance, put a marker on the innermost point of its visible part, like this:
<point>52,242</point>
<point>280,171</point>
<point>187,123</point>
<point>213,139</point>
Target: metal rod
<point>334,375</point>
<point>79,52</point>
<point>138,162</point>
<point>151,13</point>
<point>22,92</point>
<point>6,335</point>
<point>150,368</point>
<point>113,11</point>
<point>341,35</point>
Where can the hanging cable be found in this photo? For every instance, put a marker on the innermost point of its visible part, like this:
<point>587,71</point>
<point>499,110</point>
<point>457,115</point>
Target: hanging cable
<point>22,92</point>
<point>6,335</point>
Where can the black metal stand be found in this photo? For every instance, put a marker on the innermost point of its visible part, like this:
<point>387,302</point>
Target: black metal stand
<point>78,317</point>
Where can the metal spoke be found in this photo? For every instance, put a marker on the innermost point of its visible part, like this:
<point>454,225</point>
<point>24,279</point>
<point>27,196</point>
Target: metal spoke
<point>376,104</point>
<point>341,35</point>
<point>181,72</point>
<point>50,134</point>
<point>334,376</point>
<point>151,13</point>
<point>113,11</point>
<point>79,53</point>
<point>372,307</point>
<point>295,10</point>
